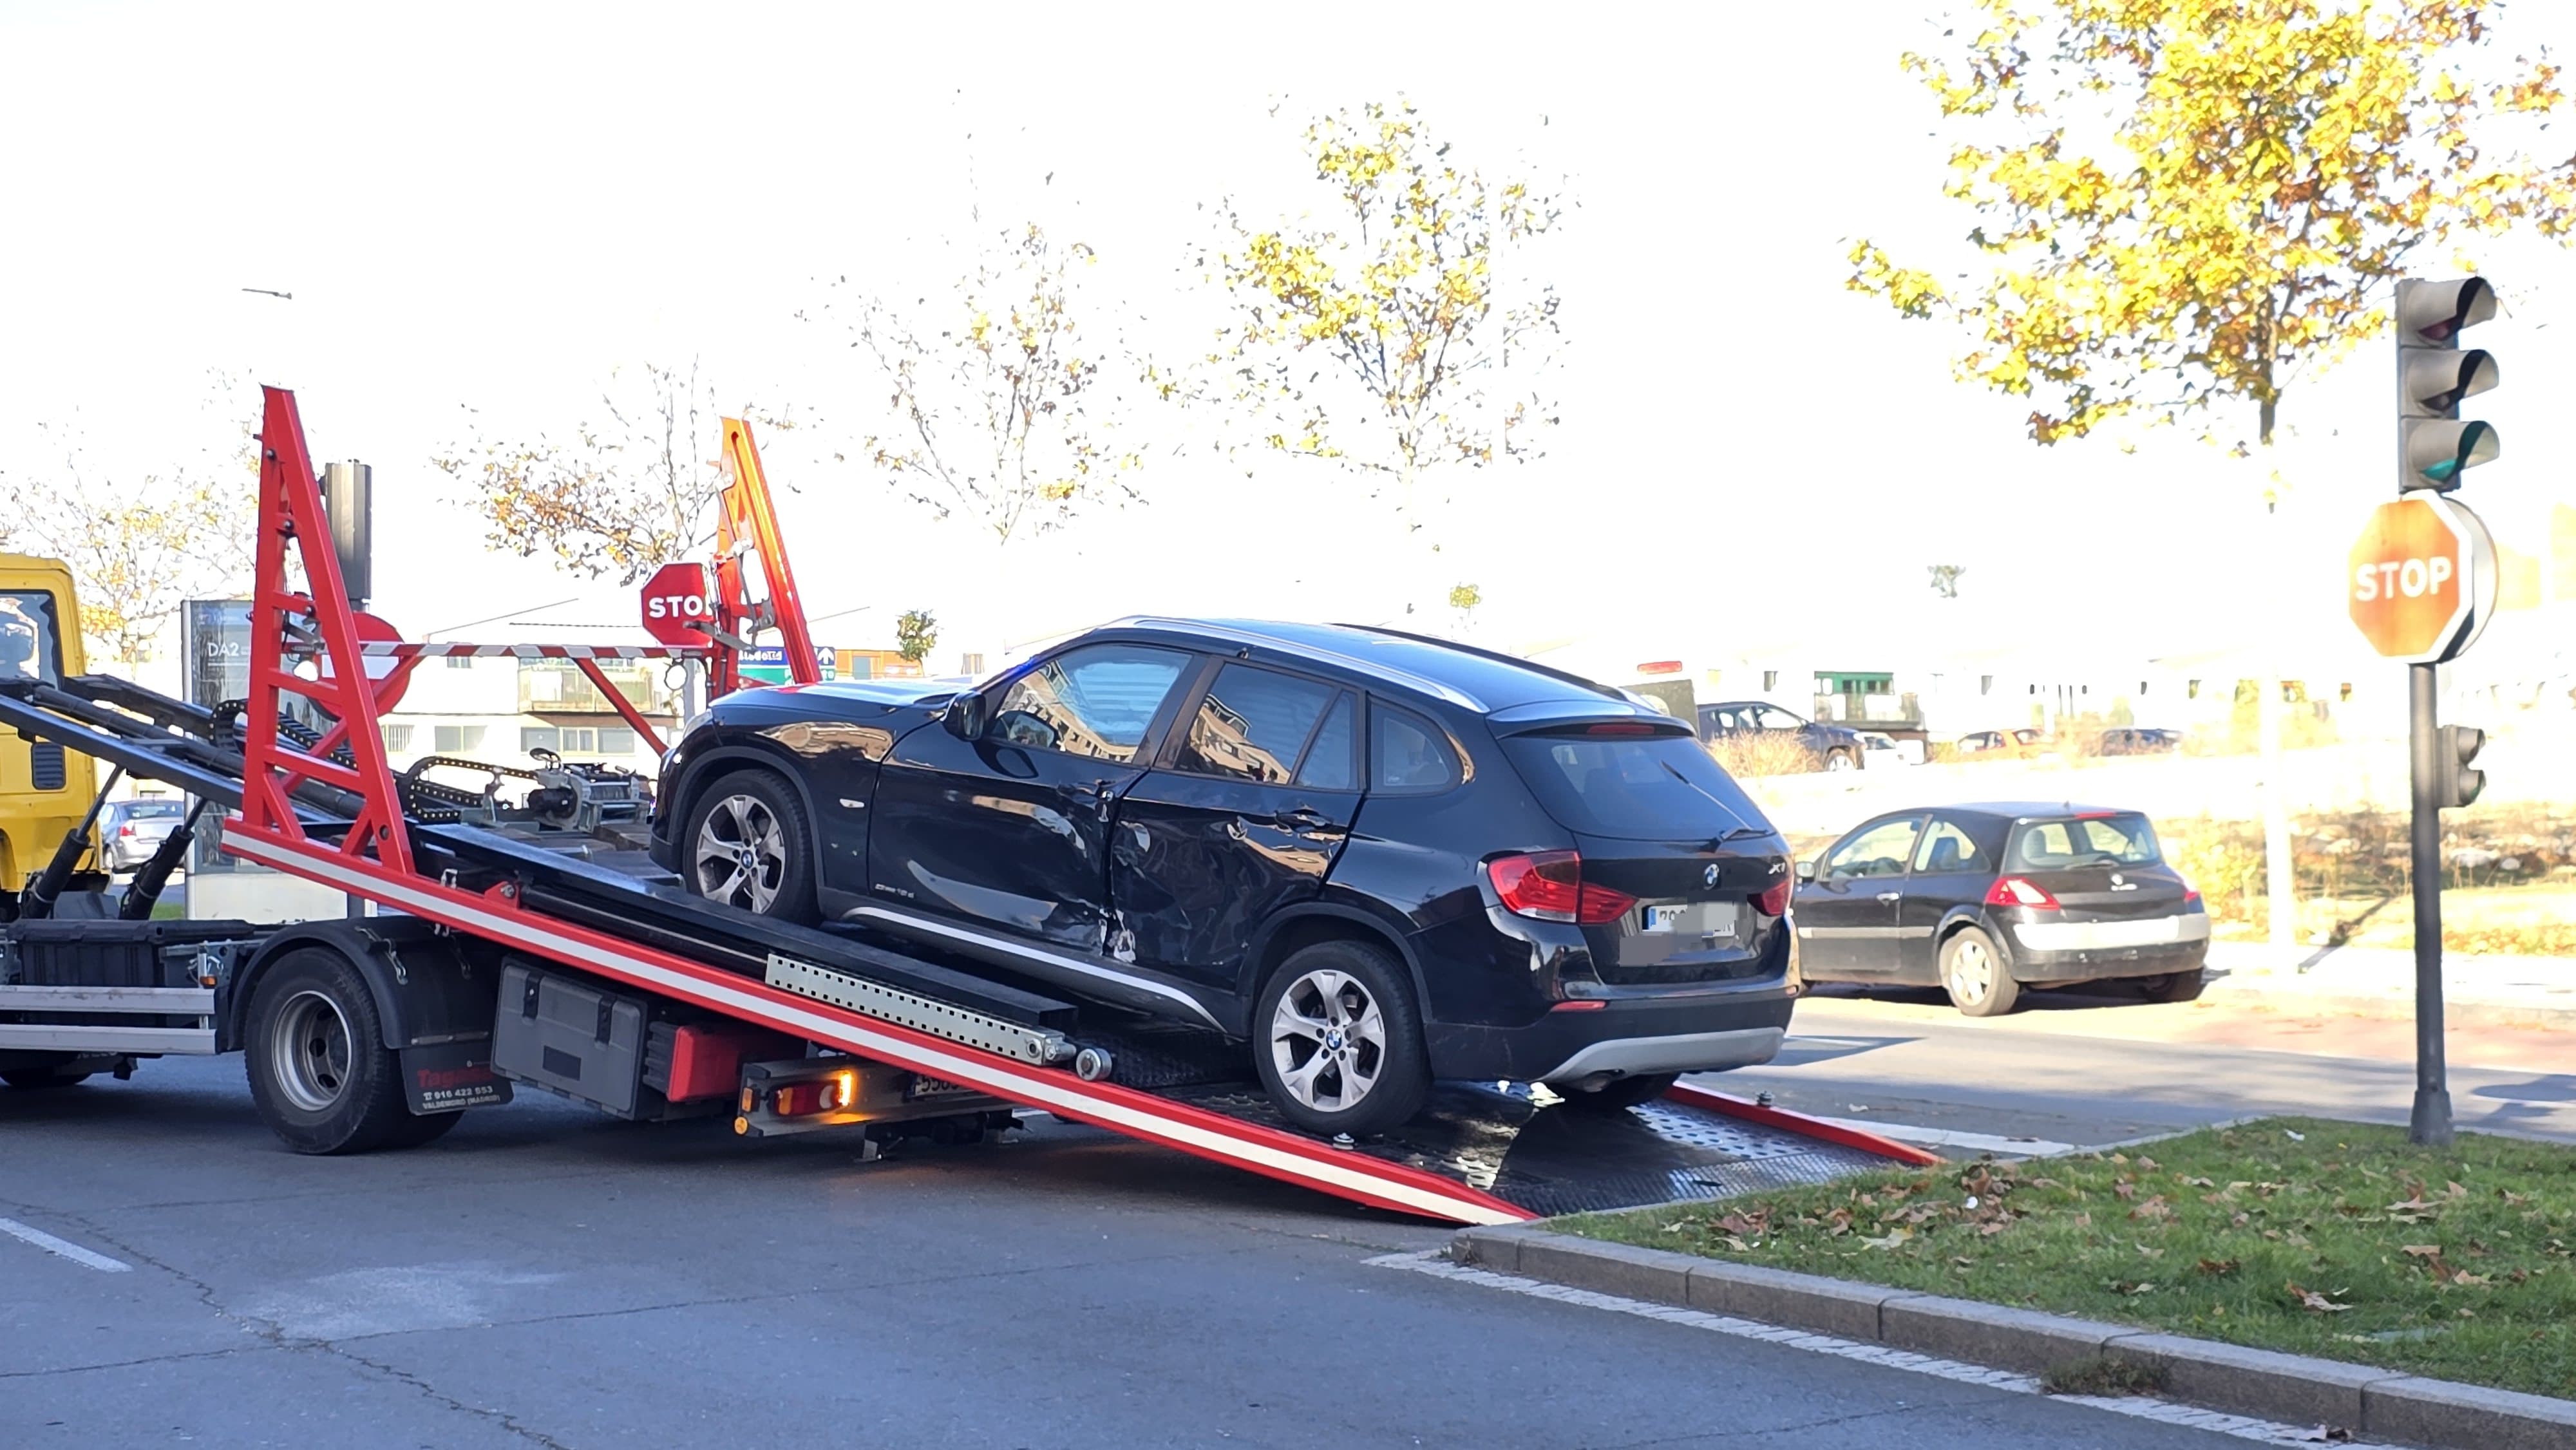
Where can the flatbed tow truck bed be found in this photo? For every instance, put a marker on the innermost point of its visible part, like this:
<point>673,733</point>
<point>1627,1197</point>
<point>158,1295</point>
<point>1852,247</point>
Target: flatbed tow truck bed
<point>504,953</point>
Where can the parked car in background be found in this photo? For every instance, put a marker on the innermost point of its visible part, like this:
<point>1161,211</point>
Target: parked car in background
<point>129,831</point>
<point>1833,747</point>
<point>1984,900</point>
<point>1882,749</point>
<point>1370,858</point>
<point>2138,740</point>
<point>2002,744</point>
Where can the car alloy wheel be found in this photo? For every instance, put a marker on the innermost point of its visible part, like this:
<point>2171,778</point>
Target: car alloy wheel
<point>1837,760</point>
<point>741,854</point>
<point>1327,1041</point>
<point>1972,973</point>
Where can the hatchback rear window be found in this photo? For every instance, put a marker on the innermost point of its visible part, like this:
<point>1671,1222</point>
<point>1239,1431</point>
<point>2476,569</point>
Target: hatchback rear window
<point>2121,839</point>
<point>1638,788</point>
<point>153,810</point>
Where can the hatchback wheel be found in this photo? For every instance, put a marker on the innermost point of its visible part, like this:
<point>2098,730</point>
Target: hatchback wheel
<point>1340,1041</point>
<point>1973,973</point>
<point>1840,760</point>
<point>746,846</point>
<point>2173,986</point>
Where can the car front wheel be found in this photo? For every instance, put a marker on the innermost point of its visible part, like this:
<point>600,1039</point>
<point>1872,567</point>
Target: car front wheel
<point>1973,973</point>
<point>1339,1043</point>
<point>746,846</point>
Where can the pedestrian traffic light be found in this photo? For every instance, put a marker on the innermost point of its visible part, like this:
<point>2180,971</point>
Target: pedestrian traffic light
<point>2434,445</point>
<point>2459,785</point>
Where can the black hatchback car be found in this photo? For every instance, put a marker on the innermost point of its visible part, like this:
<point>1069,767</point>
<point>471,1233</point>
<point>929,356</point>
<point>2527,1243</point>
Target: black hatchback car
<point>1983,900</point>
<point>1375,858</point>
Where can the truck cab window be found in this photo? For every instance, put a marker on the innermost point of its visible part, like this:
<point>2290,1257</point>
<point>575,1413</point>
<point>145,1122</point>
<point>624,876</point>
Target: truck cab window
<point>29,646</point>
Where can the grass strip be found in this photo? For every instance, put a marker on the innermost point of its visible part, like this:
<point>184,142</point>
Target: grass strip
<point>2304,1235</point>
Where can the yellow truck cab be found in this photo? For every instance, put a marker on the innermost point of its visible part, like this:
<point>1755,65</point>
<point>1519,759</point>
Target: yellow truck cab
<point>44,789</point>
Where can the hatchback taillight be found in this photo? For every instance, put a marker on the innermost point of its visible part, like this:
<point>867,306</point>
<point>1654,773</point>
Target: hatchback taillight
<point>1549,886</point>
<point>1774,900</point>
<point>2014,891</point>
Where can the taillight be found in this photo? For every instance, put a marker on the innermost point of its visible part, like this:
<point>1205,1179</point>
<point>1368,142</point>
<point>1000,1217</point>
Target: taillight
<point>1774,900</point>
<point>126,831</point>
<point>1549,885</point>
<point>2014,891</point>
<point>2191,896</point>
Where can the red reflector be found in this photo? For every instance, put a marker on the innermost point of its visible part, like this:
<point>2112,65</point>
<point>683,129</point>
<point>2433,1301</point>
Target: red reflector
<point>1578,1006</point>
<point>1774,900</point>
<point>1548,886</point>
<point>2014,891</point>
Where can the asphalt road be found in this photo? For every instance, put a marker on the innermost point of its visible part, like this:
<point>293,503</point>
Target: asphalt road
<point>548,1277</point>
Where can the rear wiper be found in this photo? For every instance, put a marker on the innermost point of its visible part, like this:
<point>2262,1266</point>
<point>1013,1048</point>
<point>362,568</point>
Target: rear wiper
<point>1740,833</point>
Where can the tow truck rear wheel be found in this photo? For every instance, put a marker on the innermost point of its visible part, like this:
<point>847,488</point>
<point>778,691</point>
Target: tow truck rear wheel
<point>37,1079</point>
<point>319,1073</point>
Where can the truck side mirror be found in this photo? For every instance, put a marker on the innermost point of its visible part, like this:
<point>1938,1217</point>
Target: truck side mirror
<point>965,715</point>
<point>1806,870</point>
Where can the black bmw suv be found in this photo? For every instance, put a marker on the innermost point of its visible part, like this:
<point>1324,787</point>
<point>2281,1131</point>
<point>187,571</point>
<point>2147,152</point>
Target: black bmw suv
<point>1375,858</point>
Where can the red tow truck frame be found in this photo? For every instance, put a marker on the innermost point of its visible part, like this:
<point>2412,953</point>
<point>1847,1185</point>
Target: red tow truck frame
<point>305,645</point>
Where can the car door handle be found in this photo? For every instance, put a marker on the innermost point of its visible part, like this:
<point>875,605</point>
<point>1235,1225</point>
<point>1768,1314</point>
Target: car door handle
<point>1302,818</point>
<point>1891,897</point>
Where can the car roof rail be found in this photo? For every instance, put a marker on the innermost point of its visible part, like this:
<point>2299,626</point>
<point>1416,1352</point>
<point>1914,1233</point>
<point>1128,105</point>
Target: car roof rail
<point>1495,655</point>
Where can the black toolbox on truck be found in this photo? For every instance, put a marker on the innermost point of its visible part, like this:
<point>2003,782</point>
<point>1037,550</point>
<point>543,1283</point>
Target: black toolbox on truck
<point>49,952</point>
<point>564,1032</point>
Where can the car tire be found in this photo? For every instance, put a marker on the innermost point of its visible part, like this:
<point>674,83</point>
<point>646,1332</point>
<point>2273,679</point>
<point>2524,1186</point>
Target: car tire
<point>314,1051</point>
<point>756,817</point>
<point>1974,974</point>
<point>41,1079</point>
<point>1620,1093</point>
<point>1351,1005</point>
<point>1841,760</point>
<point>2174,986</point>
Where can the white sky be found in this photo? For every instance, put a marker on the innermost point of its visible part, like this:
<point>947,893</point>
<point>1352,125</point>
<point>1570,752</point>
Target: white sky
<point>492,206</point>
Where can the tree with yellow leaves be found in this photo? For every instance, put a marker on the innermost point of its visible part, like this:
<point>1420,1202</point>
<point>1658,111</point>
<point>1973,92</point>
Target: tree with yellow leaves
<point>1375,334</point>
<point>2184,204</point>
<point>993,392</point>
<point>619,496</point>
<point>2197,199</point>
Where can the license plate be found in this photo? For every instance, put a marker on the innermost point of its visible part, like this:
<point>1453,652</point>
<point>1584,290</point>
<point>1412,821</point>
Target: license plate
<point>1665,918</point>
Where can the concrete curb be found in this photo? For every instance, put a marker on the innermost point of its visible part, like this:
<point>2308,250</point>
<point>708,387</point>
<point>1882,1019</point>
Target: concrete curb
<point>2286,1387</point>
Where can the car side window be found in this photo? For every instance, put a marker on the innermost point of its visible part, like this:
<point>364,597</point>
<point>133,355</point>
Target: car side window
<point>1408,754</point>
<point>1096,701</point>
<point>1947,848</point>
<point>1253,724</point>
<point>1882,850</point>
<point>1779,720</point>
<point>1332,759</point>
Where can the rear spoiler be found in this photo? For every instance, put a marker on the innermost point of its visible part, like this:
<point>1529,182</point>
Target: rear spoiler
<point>1558,717</point>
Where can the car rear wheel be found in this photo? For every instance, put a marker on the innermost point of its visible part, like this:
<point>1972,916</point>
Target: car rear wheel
<point>1340,1040</point>
<point>37,1079</point>
<point>1974,975</point>
<point>1842,760</point>
<point>746,846</point>
<point>1620,1092</point>
<point>2173,986</point>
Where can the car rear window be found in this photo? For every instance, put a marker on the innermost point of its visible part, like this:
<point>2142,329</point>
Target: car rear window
<point>1633,787</point>
<point>2123,838</point>
<point>153,810</point>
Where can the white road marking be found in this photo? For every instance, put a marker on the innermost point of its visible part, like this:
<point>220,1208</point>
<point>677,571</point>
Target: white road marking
<point>64,1247</point>
<point>2141,1407</point>
<point>1949,1138</point>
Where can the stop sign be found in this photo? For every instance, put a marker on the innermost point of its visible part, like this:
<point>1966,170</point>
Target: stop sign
<point>2422,579</point>
<point>674,598</point>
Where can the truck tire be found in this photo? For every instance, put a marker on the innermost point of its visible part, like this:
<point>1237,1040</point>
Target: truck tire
<point>37,1079</point>
<point>319,1074</point>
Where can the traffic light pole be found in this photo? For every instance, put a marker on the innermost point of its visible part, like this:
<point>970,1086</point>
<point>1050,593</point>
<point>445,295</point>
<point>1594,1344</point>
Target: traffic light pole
<point>2431,1122</point>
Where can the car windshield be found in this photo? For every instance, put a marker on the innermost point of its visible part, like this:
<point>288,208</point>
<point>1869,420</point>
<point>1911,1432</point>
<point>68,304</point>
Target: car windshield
<point>1639,788</point>
<point>2122,838</point>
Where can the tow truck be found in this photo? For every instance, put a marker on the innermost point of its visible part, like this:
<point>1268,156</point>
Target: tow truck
<point>514,936</point>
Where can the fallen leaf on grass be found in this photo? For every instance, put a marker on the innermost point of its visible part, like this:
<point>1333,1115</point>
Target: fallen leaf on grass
<point>2154,1210</point>
<point>2132,1289</point>
<point>1737,1244</point>
<point>2150,1253</point>
<point>1895,1236</point>
<point>2315,1302</point>
<point>2220,1268</point>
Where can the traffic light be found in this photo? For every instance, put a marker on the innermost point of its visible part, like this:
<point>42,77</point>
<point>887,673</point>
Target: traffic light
<point>2434,446</point>
<point>2459,785</point>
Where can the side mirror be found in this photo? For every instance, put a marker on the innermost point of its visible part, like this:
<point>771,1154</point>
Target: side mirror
<point>965,715</point>
<point>1806,870</point>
